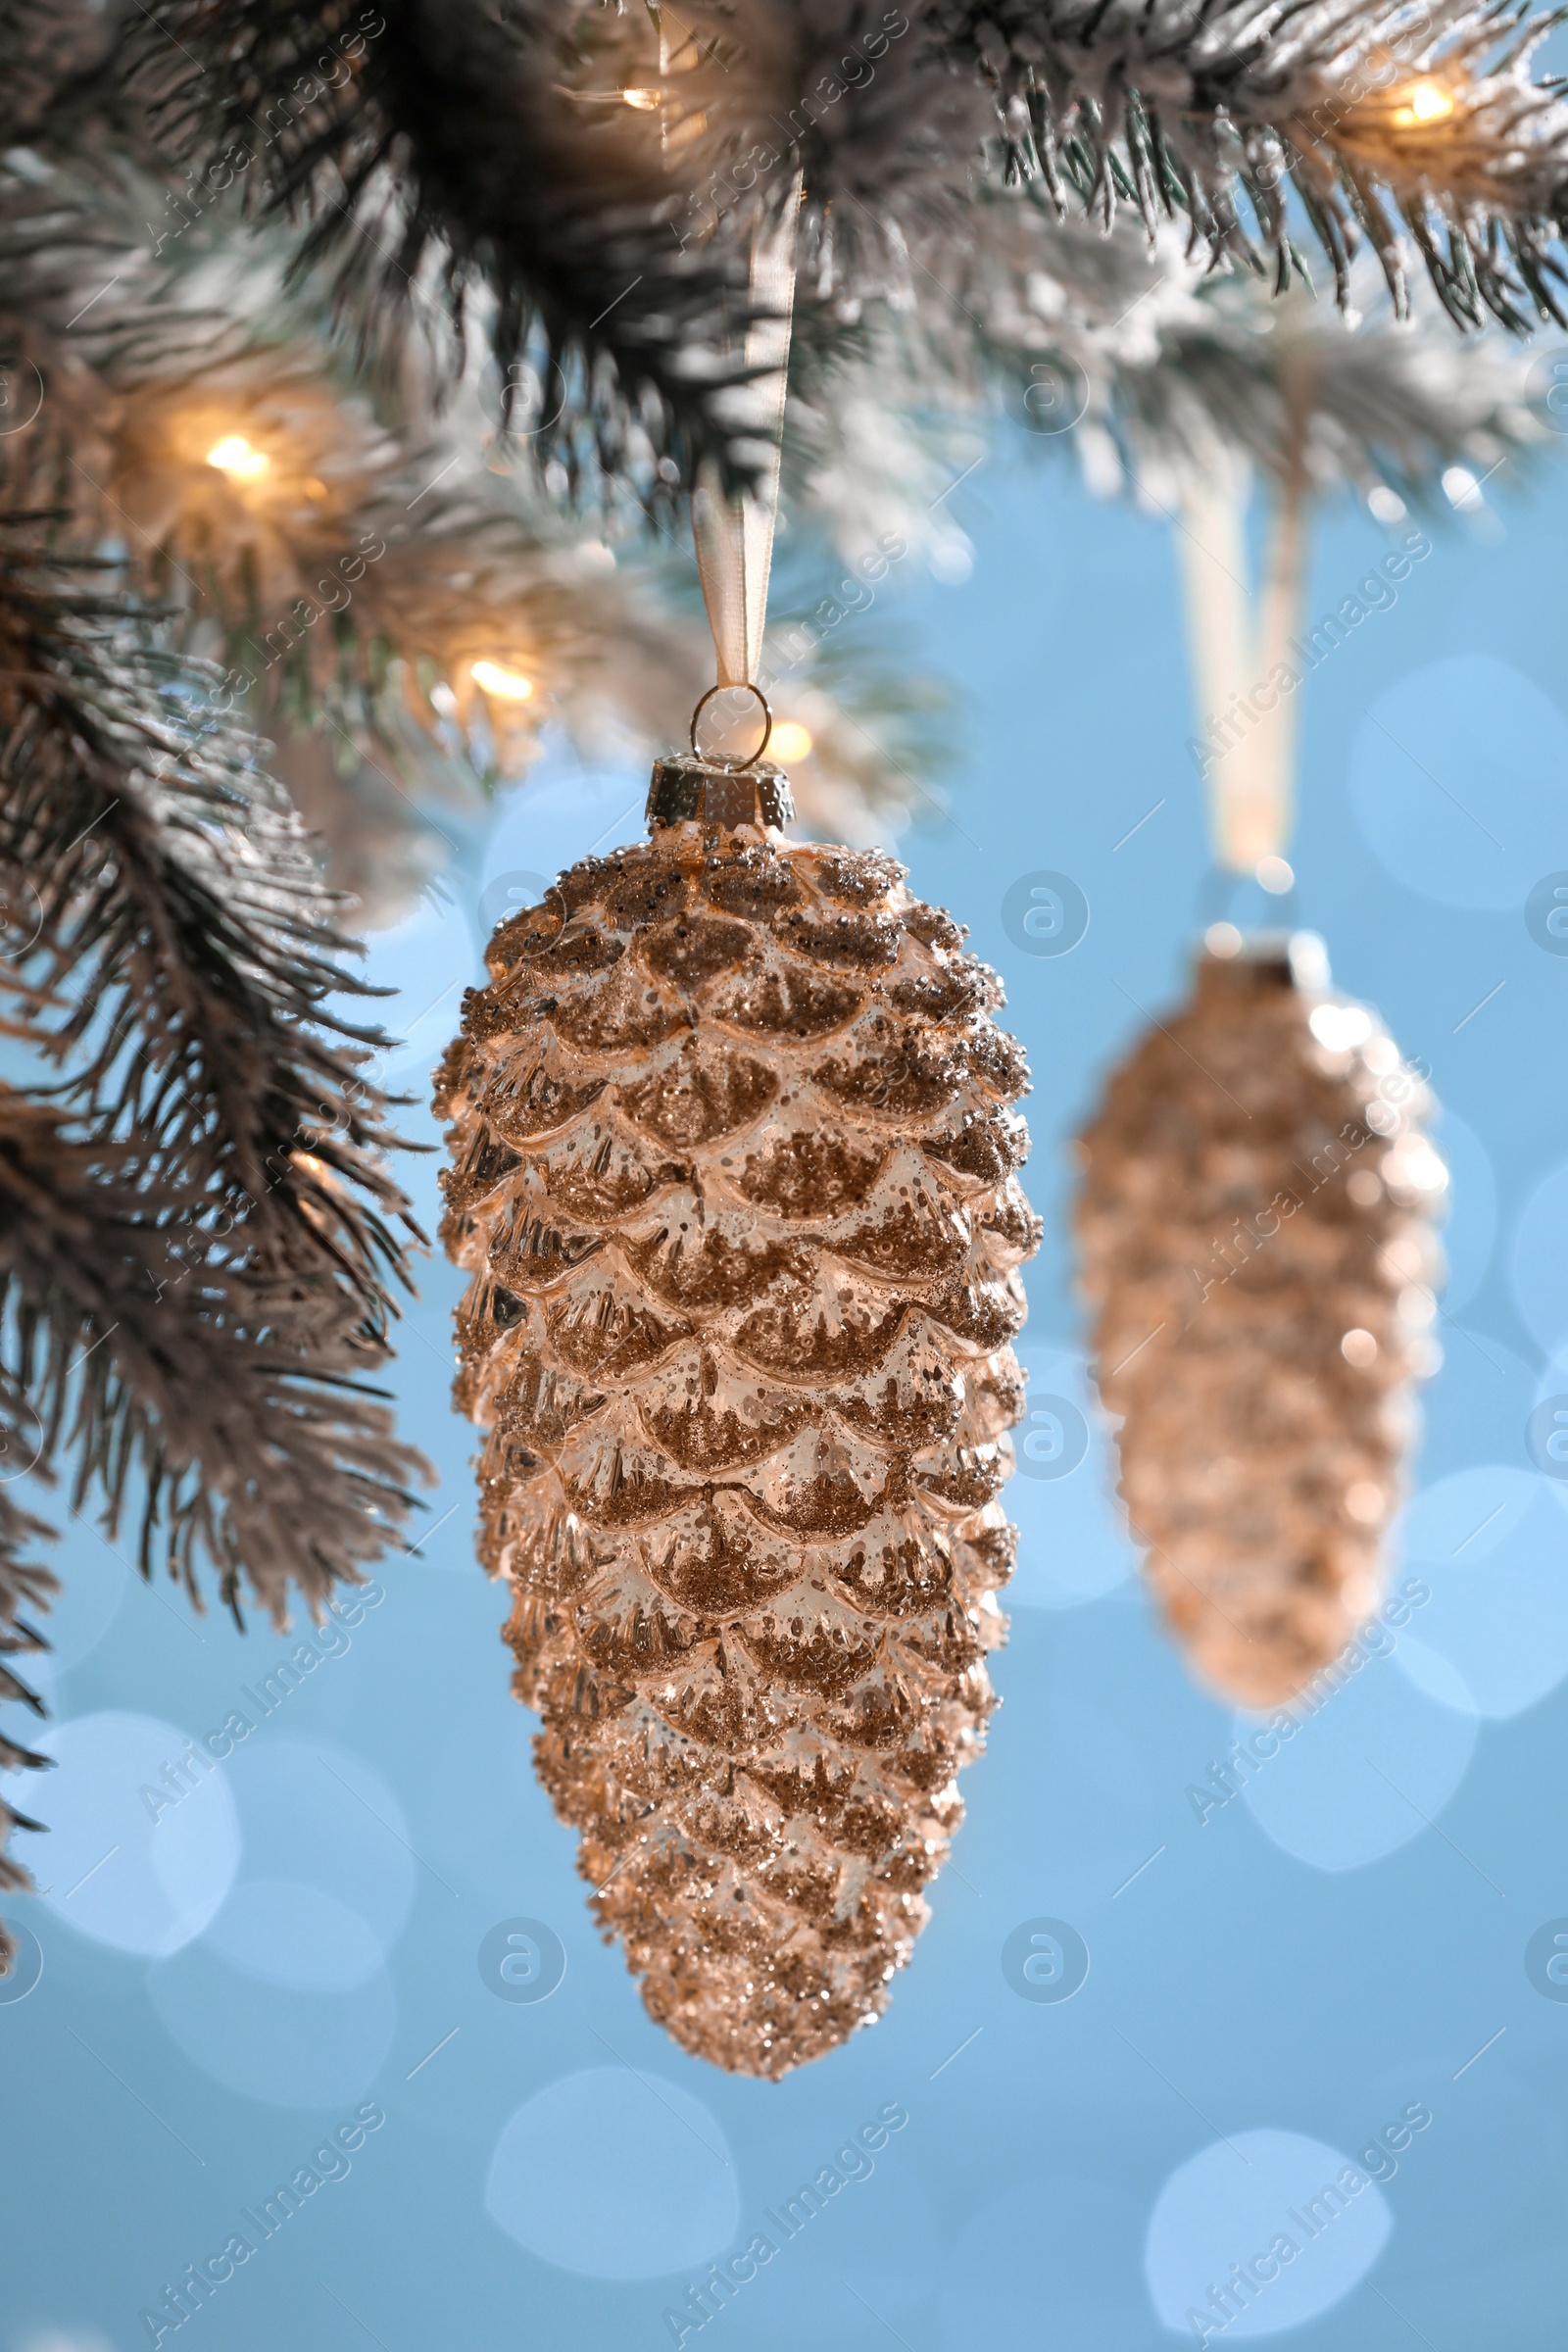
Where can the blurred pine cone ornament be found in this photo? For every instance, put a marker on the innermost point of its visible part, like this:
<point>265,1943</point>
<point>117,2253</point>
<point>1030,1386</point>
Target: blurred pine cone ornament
<point>1256,1220</point>
<point>736,1177</point>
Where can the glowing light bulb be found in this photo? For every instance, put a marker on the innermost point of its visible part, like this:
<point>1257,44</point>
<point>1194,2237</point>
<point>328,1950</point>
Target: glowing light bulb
<point>506,685</point>
<point>1428,102</point>
<point>790,740</point>
<point>645,101</point>
<point>234,456</point>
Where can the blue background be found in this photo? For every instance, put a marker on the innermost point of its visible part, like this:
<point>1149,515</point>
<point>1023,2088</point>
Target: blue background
<point>1297,1968</point>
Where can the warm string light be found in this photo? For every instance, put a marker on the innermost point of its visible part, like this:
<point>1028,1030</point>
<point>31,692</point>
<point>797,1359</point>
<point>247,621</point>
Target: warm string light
<point>790,740</point>
<point>1428,102</point>
<point>238,459</point>
<point>504,685</point>
<point>317,1170</point>
<point>642,101</point>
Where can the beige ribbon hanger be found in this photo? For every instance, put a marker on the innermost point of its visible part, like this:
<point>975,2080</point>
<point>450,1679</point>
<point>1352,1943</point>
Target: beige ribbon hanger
<point>1246,680</point>
<point>734,536</point>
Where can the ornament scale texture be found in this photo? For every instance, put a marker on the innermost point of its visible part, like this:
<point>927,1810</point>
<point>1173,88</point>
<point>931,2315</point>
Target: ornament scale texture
<point>735,1172</point>
<point>1257,1248</point>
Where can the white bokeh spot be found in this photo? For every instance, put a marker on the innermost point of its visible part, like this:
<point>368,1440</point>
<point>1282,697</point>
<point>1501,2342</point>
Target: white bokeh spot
<point>615,2175</point>
<point>130,1863</point>
<point>1259,2232</point>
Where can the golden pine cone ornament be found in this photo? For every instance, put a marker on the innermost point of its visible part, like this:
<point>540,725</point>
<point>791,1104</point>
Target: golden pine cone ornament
<point>1255,1221</point>
<point>736,1178</point>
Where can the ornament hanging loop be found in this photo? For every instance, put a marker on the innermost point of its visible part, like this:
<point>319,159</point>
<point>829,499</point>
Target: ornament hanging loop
<point>733,528</point>
<point>718,760</point>
<point>1247,667</point>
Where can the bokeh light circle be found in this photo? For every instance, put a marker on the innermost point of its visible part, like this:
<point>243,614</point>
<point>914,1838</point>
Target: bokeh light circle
<point>91,1595</point>
<point>1488,1541</point>
<point>1278,2225</point>
<point>287,1999</point>
<point>566,810</point>
<point>278,2045</point>
<point>284,1934</point>
<point>1453,782</point>
<point>1371,1762</point>
<point>143,1845</point>
<point>1537,1262</point>
<point>60,2340</point>
<point>614,2175</point>
<point>316,1817</point>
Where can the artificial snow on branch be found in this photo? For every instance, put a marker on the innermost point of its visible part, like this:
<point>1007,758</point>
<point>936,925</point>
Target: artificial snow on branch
<point>584,188</point>
<point>184,1366</point>
<point>581,179</point>
<point>1379,115</point>
<point>1156,372</point>
<point>447,155</point>
<point>1391,407</point>
<point>1167,369</point>
<point>155,1344</point>
<point>200,1209</point>
<point>173,943</point>
<point>1181,384</point>
<point>198,1239</point>
<point>355,565</point>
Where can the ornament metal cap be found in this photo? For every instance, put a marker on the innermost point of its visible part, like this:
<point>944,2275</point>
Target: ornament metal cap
<point>687,790</point>
<point>1247,960</point>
